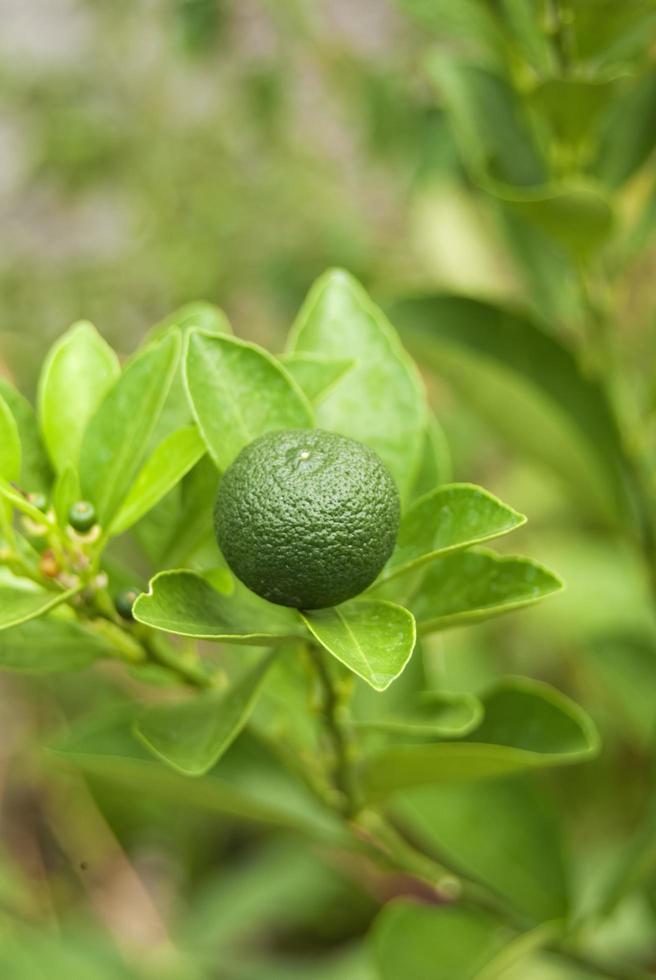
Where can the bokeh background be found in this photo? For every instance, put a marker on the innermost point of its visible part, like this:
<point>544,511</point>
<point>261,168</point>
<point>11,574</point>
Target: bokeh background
<point>154,152</point>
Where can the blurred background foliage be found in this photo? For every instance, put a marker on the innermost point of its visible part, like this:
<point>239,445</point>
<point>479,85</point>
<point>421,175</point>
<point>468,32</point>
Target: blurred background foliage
<point>486,168</point>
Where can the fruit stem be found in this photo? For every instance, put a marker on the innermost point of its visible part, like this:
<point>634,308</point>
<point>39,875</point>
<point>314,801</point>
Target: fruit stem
<point>337,729</point>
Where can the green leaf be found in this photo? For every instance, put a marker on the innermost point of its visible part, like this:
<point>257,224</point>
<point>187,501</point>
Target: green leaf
<point>192,735</point>
<point>578,216</point>
<point>423,942</point>
<point>489,123</point>
<point>172,459</point>
<point>374,639</point>
<point>50,645</point>
<point>381,401</point>
<point>520,854</point>
<point>238,391</point>
<point>65,493</point>
<point>467,19</point>
<point>77,373</point>
<point>21,503</point>
<point>192,316</point>
<point>448,519</point>
<point>572,106</point>
<point>116,437</point>
<point>316,374</point>
<point>185,603</point>
<point>528,387</point>
<point>527,725</point>
<point>10,445</point>
<point>435,465</point>
<point>628,135</point>
<point>35,468</point>
<point>474,585</point>
<point>21,599</point>
<point>433,715</point>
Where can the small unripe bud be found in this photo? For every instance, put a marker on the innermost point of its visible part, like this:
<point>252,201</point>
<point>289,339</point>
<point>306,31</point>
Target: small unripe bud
<point>82,516</point>
<point>124,602</point>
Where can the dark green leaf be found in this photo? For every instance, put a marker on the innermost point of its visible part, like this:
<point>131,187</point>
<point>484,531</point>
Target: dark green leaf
<point>116,437</point>
<point>474,585</point>
<point>374,639</point>
<point>172,459</point>
<point>527,725</point>
<point>526,385</point>
<point>76,375</point>
<point>185,603</point>
<point>192,735</point>
<point>381,401</point>
<point>448,519</point>
<point>238,391</point>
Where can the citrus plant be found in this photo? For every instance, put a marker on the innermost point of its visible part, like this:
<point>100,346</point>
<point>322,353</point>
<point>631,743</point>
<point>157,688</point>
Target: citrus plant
<point>294,648</point>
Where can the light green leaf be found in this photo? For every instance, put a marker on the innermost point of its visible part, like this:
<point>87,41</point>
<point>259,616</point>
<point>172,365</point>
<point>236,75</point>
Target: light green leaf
<point>49,645</point>
<point>527,725</point>
<point>448,519</point>
<point>526,386</point>
<point>316,374</point>
<point>422,942</point>
<point>116,437</point>
<point>474,585</point>
<point>21,503</point>
<point>174,457</point>
<point>433,715</point>
<point>21,599</point>
<point>470,20</point>
<point>192,316</point>
<point>192,735</point>
<point>65,493</point>
<point>374,639</point>
<point>520,854</point>
<point>35,468</point>
<point>10,445</point>
<point>381,401</point>
<point>77,373</point>
<point>237,392</point>
<point>185,603</point>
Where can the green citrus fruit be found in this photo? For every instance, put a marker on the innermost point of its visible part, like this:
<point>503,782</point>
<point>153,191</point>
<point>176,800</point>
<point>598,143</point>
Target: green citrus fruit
<point>306,518</point>
<point>82,516</point>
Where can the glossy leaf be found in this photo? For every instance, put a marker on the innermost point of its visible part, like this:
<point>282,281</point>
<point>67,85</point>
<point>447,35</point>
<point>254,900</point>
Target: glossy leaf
<point>185,603</point>
<point>172,459</point>
<point>527,725</point>
<point>21,600</point>
<point>503,833</point>
<point>49,645</point>
<point>528,387</point>
<point>78,372</point>
<point>116,437</point>
<point>448,519</point>
<point>237,392</point>
<point>374,639</point>
<point>380,401</point>
<point>65,493</point>
<point>192,735</point>
<point>10,445</point>
<point>474,585</point>
<point>35,472</point>
<point>425,942</point>
<point>316,374</point>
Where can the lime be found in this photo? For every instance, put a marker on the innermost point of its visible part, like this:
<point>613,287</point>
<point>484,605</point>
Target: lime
<point>307,518</point>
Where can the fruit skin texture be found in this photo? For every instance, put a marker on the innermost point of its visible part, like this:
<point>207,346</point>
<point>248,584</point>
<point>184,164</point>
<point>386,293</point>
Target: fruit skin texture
<point>307,518</point>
